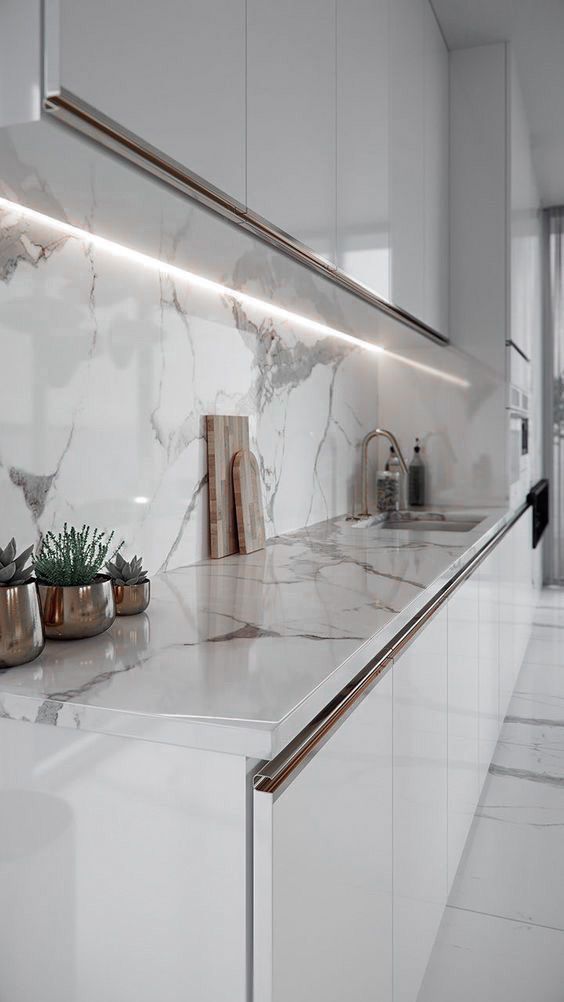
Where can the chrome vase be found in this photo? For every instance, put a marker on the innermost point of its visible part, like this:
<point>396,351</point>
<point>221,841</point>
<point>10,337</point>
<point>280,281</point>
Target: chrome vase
<point>22,637</point>
<point>72,612</point>
<point>132,599</point>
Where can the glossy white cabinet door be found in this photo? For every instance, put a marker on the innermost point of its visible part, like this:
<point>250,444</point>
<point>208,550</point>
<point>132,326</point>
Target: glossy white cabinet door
<point>508,652</point>
<point>420,803</point>
<point>436,170</point>
<point>171,72</point>
<point>517,605</point>
<point>323,869</point>
<point>407,152</point>
<point>478,202</point>
<point>20,61</point>
<point>291,140</point>
<point>363,212</point>
<point>524,591</point>
<point>488,578</point>
<point>123,870</point>
<point>463,717</point>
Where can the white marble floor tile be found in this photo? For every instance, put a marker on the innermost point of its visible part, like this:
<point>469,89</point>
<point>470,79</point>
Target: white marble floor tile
<point>533,748</point>
<point>513,864</point>
<point>547,649</point>
<point>548,616</point>
<point>551,598</point>
<point>539,695</point>
<point>479,958</point>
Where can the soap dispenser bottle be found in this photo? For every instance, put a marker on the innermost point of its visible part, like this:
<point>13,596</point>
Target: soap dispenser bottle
<point>416,479</point>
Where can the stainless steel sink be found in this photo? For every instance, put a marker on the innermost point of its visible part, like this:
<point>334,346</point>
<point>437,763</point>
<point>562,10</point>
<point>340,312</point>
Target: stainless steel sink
<point>425,521</point>
<point>431,524</point>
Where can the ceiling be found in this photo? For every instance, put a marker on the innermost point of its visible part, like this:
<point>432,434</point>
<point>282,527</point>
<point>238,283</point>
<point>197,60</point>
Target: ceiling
<point>535,29</point>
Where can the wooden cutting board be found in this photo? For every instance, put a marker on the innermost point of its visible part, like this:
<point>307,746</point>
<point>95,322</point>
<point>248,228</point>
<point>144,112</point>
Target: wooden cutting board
<point>248,502</point>
<point>227,435</point>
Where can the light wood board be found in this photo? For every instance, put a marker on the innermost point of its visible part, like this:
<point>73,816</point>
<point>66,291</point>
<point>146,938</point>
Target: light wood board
<point>248,502</point>
<point>226,435</point>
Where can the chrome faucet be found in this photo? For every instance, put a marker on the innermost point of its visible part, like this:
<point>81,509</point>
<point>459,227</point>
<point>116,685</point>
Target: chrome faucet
<point>377,433</point>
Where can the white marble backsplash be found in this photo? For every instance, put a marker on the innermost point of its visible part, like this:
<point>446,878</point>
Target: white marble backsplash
<point>108,371</point>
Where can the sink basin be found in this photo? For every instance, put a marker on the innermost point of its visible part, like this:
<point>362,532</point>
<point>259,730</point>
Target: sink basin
<point>425,521</point>
<point>431,524</point>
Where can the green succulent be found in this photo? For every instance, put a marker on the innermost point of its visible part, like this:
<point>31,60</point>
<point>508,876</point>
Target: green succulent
<point>124,572</point>
<point>73,557</point>
<point>12,567</point>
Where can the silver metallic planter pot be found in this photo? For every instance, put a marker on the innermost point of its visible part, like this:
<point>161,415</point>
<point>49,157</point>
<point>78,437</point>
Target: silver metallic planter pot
<point>132,599</point>
<point>71,612</point>
<point>21,627</point>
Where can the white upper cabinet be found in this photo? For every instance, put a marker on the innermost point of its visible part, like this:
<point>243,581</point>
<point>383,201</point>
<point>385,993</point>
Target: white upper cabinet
<point>326,118</point>
<point>172,73</point>
<point>291,112</point>
<point>525,316</point>
<point>436,170</point>
<point>363,211</point>
<point>419,158</point>
<point>20,61</point>
<point>407,178</point>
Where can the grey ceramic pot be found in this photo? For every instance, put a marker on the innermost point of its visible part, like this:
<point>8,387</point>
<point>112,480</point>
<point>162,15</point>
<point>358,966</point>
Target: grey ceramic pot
<point>72,612</point>
<point>22,637</point>
<point>132,599</point>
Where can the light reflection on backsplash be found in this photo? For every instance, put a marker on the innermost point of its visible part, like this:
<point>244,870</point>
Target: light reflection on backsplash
<point>111,371</point>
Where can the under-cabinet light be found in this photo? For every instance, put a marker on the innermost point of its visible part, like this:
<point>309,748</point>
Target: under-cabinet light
<point>165,268</point>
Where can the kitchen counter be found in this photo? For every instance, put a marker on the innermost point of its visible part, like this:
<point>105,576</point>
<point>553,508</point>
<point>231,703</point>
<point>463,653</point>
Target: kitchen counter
<point>239,654</point>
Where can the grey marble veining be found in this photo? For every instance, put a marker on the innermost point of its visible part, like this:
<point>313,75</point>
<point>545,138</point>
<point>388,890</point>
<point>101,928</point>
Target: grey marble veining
<point>113,368</point>
<point>239,654</point>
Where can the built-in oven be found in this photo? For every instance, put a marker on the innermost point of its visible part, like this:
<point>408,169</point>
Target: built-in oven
<point>518,401</point>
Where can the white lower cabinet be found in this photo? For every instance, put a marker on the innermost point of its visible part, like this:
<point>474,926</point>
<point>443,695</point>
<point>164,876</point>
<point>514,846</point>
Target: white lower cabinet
<point>420,803</point>
<point>463,716</point>
<point>355,858</point>
<point>488,580</point>
<point>123,869</point>
<point>507,637</point>
<point>323,868</point>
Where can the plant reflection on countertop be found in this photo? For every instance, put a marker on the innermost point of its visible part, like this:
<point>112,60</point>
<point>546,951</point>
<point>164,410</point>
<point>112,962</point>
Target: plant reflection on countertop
<point>77,599</point>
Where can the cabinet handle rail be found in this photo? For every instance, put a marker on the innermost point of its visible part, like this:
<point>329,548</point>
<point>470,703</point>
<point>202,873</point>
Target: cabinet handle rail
<point>275,775</point>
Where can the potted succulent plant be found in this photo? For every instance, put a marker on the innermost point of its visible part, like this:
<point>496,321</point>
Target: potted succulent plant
<point>77,599</point>
<point>21,626</point>
<point>132,588</point>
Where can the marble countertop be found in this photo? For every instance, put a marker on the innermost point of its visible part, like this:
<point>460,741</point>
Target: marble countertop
<point>239,654</point>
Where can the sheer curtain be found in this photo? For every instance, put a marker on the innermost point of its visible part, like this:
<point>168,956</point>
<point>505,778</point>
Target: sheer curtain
<point>554,385</point>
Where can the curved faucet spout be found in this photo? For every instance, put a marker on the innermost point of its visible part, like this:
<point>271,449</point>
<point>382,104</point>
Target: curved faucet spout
<point>377,433</point>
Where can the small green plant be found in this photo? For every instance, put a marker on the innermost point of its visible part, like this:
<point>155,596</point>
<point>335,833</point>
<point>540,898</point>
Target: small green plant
<point>12,565</point>
<point>123,572</point>
<point>73,557</point>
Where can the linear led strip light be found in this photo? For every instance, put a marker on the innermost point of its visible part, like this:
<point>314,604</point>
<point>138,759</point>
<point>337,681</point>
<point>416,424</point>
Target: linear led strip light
<point>165,268</point>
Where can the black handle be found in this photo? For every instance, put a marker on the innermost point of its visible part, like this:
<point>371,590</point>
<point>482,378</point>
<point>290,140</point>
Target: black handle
<point>539,500</point>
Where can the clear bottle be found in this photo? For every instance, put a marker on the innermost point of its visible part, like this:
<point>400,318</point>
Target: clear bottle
<point>393,465</point>
<point>387,490</point>
<point>416,479</point>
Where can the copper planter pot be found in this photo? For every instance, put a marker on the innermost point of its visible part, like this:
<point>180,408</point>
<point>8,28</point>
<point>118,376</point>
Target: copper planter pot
<point>132,599</point>
<point>72,612</point>
<point>22,637</point>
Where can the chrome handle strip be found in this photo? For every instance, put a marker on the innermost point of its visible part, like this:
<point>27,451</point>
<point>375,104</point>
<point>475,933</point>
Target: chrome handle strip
<point>80,116</point>
<point>274,776</point>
